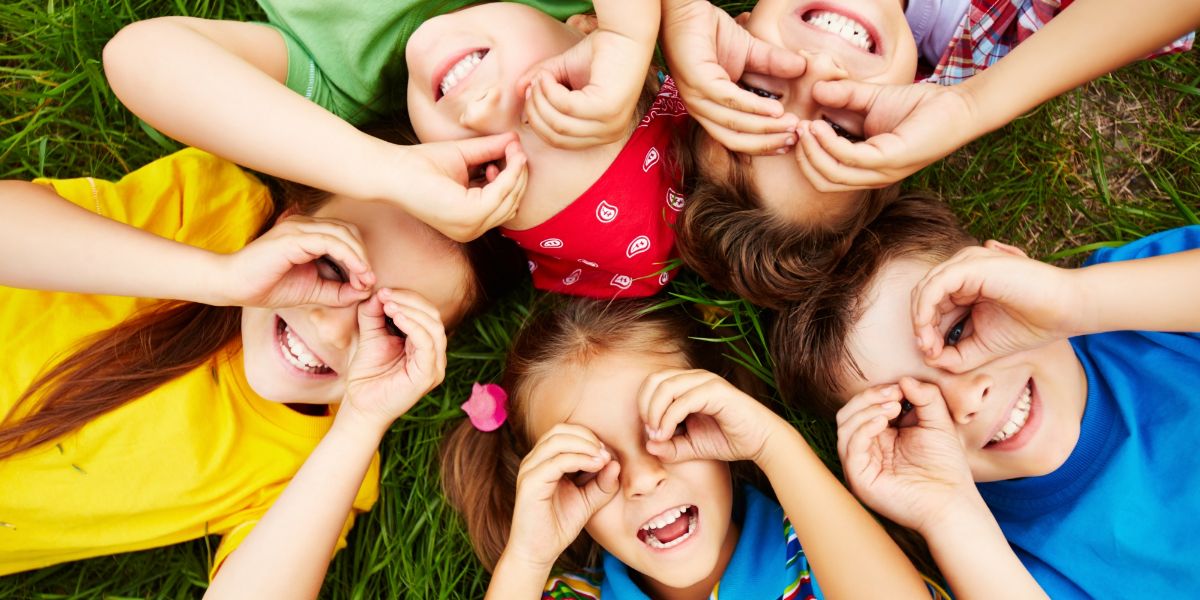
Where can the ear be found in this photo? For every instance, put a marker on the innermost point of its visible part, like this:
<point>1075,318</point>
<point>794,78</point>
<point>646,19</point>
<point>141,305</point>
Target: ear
<point>1005,248</point>
<point>584,24</point>
<point>742,18</point>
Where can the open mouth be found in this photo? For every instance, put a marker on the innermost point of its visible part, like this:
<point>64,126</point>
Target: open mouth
<point>454,73</point>
<point>855,32</point>
<point>1018,418</point>
<point>671,528</point>
<point>296,353</point>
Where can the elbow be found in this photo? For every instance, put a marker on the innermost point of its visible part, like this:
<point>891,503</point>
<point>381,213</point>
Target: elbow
<point>130,51</point>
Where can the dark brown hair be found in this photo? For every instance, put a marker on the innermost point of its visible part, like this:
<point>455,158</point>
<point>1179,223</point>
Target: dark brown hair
<point>808,338</point>
<point>479,469</point>
<point>169,339</point>
<point>736,243</point>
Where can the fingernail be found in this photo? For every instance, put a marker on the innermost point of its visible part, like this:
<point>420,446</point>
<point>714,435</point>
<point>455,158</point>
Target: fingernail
<point>782,151</point>
<point>888,391</point>
<point>920,342</point>
<point>791,141</point>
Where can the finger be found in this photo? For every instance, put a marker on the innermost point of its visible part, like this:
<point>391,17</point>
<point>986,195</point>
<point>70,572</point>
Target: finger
<point>939,293</point>
<point>552,470</point>
<point>829,168</point>
<point>566,437</point>
<point>483,150</point>
<point>538,117</point>
<point>419,346</point>
<point>851,95</point>
<point>719,88</point>
<point>870,397</point>
<point>855,451</point>
<point>763,144</point>
<point>578,115</point>
<point>768,59</point>
<point>412,300</point>
<point>885,411</point>
<point>928,404</point>
<point>864,156</point>
<point>815,178</point>
<point>510,185</point>
<point>339,243</point>
<point>603,488</point>
<point>371,319</point>
<point>668,391</point>
<point>674,450</point>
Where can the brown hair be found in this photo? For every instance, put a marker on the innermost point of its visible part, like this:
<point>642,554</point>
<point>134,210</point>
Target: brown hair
<point>479,469</point>
<point>735,242</point>
<point>808,338</point>
<point>169,339</point>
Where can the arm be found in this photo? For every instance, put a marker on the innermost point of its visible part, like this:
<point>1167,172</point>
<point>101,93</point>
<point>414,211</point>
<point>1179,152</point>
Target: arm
<point>218,85</point>
<point>274,270</point>
<point>916,475</point>
<point>851,554</point>
<point>288,552</point>
<point>913,125</point>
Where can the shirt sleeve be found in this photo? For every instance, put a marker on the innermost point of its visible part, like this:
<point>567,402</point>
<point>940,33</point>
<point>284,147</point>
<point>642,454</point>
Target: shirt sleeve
<point>190,196</point>
<point>572,586</point>
<point>1171,241</point>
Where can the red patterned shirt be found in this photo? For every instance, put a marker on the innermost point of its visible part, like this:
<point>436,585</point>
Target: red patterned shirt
<point>618,237</point>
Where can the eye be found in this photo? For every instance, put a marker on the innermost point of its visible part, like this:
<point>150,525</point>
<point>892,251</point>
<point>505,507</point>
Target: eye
<point>329,270</point>
<point>958,331</point>
<point>680,429</point>
<point>758,91</point>
<point>902,419</point>
<point>843,132</point>
<point>581,478</point>
<point>390,325</point>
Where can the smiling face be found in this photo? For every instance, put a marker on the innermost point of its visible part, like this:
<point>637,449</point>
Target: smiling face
<point>864,40</point>
<point>301,354</point>
<point>464,68</point>
<point>669,522</point>
<point>1017,416</point>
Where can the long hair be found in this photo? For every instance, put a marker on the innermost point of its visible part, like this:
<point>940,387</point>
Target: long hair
<point>479,469</point>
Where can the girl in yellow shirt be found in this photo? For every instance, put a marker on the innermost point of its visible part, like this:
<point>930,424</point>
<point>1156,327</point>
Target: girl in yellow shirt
<point>128,423</point>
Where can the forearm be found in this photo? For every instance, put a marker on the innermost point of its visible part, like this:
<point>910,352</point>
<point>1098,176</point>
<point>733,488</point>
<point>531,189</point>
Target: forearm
<point>637,20</point>
<point>65,248</point>
<point>851,555</point>
<point>1088,39</point>
<point>288,552</point>
<point>217,85</point>
<point>516,578</point>
<point>1152,294</point>
<point>972,553</point>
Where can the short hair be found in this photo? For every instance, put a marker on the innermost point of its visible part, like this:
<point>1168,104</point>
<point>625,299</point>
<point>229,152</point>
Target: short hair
<point>809,337</point>
<point>732,239</point>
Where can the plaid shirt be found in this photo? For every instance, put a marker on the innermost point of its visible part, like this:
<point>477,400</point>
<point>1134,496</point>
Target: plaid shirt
<point>991,28</point>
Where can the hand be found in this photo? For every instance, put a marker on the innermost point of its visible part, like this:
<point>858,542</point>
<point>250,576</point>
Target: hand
<point>707,52</point>
<point>280,268</point>
<point>388,373</point>
<point>604,76</point>
<point>456,187</point>
<point>912,474</point>
<point>1015,303</point>
<point>698,415</point>
<point>562,482</point>
<point>908,127</point>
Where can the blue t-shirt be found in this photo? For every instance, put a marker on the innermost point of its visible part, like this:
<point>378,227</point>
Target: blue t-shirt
<point>1120,515</point>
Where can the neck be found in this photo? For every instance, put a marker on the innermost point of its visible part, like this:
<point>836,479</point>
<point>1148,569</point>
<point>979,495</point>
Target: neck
<point>701,589</point>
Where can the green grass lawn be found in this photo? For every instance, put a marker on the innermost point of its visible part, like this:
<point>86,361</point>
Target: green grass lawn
<point>1103,165</point>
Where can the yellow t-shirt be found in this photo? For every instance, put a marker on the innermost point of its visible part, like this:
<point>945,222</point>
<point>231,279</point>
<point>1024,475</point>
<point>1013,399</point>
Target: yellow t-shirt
<point>200,455</point>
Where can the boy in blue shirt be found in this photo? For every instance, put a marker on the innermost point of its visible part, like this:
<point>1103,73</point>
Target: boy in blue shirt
<point>949,363</point>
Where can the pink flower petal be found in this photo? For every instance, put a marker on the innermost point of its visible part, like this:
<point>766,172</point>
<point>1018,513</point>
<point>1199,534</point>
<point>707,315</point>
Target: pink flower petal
<point>487,407</point>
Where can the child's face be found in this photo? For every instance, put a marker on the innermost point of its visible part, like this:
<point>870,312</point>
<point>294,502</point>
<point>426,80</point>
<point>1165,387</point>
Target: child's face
<point>983,401</point>
<point>603,397</point>
<point>403,253</point>
<point>464,66</point>
<point>872,43</point>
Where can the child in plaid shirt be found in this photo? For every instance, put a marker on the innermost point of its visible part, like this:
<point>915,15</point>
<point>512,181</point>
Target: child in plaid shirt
<point>791,92</point>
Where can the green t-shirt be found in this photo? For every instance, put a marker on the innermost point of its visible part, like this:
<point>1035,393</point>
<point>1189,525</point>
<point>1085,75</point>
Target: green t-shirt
<point>340,52</point>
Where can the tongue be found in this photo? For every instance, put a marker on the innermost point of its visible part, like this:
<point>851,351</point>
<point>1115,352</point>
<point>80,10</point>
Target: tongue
<point>670,532</point>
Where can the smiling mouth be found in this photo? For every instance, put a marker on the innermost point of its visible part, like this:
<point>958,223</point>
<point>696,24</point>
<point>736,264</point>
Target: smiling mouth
<point>671,528</point>
<point>1017,418</point>
<point>296,353</point>
<point>459,71</point>
<point>854,32</point>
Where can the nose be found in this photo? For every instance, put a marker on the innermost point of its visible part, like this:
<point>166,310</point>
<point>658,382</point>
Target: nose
<point>821,67</point>
<point>335,326</point>
<point>965,394</point>
<point>641,474</point>
<point>485,112</point>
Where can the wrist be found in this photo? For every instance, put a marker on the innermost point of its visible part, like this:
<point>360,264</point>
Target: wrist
<point>965,512</point>
<point>358,423</point>
<point>212,281</point>
<point>780,441</point>
<point>1087,285</point>
<point>381,164</point>
<point>515,559</point>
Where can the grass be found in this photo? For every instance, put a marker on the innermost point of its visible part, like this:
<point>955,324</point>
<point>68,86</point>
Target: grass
<point>1106,164</point>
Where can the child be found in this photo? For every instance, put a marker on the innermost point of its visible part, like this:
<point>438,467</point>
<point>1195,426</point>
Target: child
<point>1076,444</point>
<point>773,218</point>
<point>130,423</point>
<point>596,217</point>
<point>614,430</point>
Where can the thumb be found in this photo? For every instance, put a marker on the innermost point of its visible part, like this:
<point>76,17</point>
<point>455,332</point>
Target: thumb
<point>851,95</point>
<point>371,318</point>
<point>966,355</point>
<point>674,450</point>
<point>774,61</point>
<point>482,150</point>
<point>600,490</point>
<point>928,404</point>
<point>571,68</point>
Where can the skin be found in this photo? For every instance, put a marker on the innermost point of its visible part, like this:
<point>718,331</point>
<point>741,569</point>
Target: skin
<point>980,400</point>
<point>648,486</point>
<point>403,253</point>
<point>782,179</point>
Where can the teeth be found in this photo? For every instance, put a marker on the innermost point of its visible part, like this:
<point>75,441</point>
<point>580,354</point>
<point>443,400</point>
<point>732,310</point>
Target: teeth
<point>298,354</point>
<point>654,543</point>
<point>460,70</point>
<point>668,517</point>
<point>1019,416</point>
<point>852,31</point>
